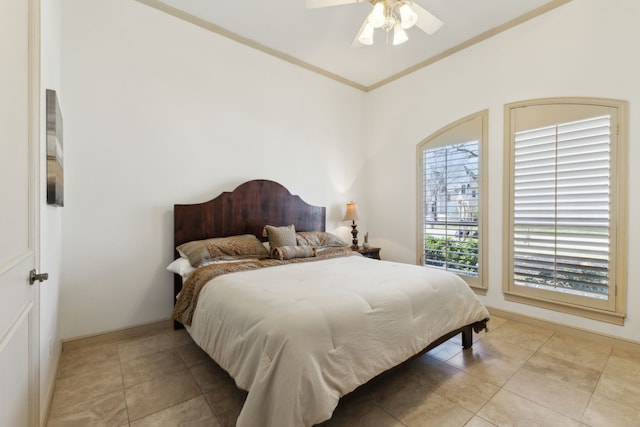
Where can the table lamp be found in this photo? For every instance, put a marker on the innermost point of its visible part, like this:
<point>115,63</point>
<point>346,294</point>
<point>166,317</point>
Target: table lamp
<point>352,215</point>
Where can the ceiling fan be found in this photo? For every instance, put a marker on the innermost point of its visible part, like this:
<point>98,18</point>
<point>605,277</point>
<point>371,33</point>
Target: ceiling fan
<point>398,15</point>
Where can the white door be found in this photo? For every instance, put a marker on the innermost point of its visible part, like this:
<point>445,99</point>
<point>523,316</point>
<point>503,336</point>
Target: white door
<point>19,206</point>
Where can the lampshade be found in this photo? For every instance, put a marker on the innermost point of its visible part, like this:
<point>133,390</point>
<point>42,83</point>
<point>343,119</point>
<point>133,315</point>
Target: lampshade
<point>366,36</point>
<point>352,212</point>
<point>399,35</point>
<point>377,15</point>
<point>407,16</point>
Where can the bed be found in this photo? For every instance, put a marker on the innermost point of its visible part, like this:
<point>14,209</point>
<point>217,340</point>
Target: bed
<point>299,334</point>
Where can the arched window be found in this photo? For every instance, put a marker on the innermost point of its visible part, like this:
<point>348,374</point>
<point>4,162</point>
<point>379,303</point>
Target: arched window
<point>451,199</point>
<point>565,206</point>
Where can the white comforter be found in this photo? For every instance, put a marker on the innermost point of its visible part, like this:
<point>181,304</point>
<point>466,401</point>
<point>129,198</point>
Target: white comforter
<point>298,337</point>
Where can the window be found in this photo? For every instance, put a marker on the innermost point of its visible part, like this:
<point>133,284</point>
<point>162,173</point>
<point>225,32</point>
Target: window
<point>451,192</point>
<point>565,201</point>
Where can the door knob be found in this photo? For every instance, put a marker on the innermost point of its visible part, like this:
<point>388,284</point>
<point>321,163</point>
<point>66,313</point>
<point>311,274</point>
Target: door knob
<point>33,276</point>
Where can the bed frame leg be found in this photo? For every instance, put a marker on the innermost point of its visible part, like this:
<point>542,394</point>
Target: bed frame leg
<point>467,337</point>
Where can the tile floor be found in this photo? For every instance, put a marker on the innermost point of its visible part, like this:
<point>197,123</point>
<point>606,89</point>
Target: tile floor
<point>515,375</point>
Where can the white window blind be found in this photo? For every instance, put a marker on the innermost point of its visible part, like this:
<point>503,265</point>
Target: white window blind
<point>450,194</point>
<point>562,181</point>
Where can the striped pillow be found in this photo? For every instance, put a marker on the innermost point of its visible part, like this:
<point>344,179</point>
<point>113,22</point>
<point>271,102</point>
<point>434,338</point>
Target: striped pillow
<point>281,236</point>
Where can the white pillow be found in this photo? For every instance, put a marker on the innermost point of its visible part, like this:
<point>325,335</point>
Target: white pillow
<point>181,266</point>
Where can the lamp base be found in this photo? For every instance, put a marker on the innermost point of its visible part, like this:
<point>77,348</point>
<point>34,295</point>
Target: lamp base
<point>354,233</point>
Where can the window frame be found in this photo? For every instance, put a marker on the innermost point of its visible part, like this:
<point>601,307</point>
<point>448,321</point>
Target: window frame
<point>613,310</point>
<point>479,283</point>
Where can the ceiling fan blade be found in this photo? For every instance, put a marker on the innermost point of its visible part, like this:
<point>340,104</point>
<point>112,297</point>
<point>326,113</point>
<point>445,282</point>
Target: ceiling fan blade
<point>427,22</point>
<point>314,4</point>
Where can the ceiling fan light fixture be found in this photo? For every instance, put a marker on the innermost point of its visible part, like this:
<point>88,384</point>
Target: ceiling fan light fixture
<point>377,16</point>
<point>366,35</point>
<point>398,15</point>
<point>408,17</point>
<point>399,35</point>
<point>389,23</point>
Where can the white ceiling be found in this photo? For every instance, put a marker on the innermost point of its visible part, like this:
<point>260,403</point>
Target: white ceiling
<point>322,37</point>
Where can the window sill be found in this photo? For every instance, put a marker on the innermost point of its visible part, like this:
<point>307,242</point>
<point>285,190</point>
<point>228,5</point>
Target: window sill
<point>591,313</point>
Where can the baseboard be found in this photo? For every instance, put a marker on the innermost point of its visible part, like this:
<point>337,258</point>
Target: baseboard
<point>118,334</point>
<point>617,342</point>
<point>167,325</point>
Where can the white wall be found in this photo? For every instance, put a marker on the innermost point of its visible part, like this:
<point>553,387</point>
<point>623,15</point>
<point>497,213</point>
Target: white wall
<point>580,49</point>
<point>158,111</point>
<point>50,217</point>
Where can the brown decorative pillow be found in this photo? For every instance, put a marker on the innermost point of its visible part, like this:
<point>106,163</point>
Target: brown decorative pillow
<point>246,246</point>
<point>319,239</point>
<point>289,252</point>
<point>281,236</point>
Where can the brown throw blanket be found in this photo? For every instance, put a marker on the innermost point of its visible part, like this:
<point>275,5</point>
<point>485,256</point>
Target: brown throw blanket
<point>188,297</point>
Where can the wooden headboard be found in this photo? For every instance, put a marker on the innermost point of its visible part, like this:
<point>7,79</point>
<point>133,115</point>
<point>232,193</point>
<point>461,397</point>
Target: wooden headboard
<point>245,210</point>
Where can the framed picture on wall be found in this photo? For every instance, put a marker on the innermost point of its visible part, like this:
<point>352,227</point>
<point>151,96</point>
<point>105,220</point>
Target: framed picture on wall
<point>55,170</point>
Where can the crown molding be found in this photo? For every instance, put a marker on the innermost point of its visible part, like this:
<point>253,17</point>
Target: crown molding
<point>472,41</point>
<point>157,4</point>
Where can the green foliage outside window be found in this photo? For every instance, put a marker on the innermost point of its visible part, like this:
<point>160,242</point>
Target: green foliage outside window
<point>451,253</point>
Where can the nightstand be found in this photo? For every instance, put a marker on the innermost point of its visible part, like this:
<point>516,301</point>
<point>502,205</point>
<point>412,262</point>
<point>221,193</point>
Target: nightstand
<point>369,252</point>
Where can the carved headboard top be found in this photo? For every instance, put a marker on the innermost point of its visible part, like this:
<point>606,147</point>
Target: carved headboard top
<point>246,210</point>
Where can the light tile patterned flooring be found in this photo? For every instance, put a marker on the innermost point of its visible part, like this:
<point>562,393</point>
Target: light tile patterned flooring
<point>515,375</point>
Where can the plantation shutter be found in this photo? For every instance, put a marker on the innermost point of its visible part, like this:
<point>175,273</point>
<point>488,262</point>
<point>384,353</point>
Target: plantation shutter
<point>450,194</point>
<point>562,199</point>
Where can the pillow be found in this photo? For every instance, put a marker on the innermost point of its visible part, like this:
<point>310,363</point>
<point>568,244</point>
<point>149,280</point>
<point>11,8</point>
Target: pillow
<point>245,246</point>
<point>319,239</point>
<point>281,236</point>
<point>181,266</point>
<point>289,252</point>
